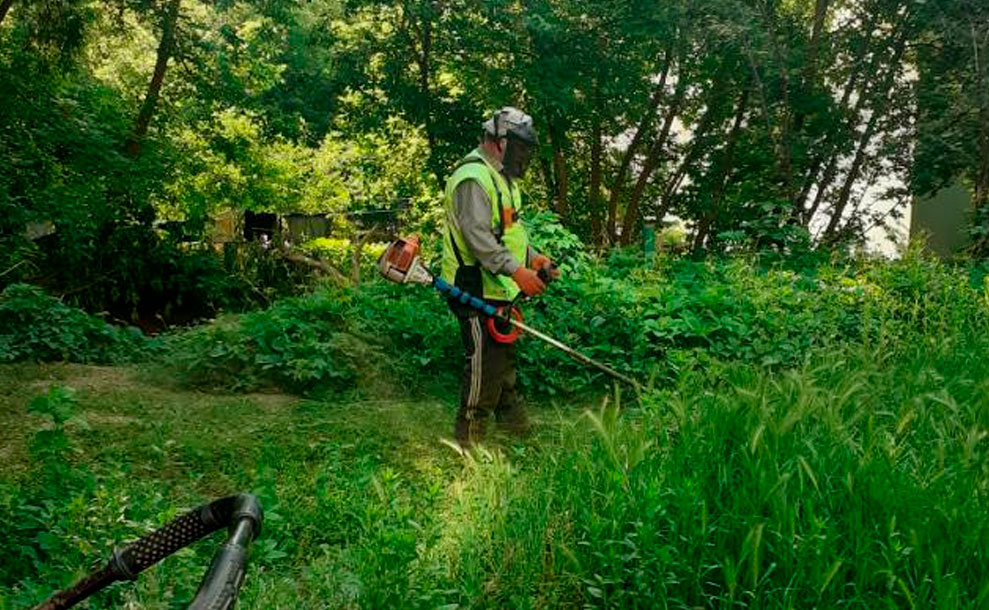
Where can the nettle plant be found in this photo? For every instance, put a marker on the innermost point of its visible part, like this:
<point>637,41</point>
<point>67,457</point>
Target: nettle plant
<point>51,447</point>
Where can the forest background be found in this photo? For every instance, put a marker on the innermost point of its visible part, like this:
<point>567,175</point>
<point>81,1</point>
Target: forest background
<point>760,124</point>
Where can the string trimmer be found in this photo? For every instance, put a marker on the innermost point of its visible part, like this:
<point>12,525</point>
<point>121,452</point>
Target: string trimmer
<point>400,263</point>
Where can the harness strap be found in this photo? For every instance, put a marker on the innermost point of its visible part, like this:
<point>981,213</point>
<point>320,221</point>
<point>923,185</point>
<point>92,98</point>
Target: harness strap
<point>456,250</point>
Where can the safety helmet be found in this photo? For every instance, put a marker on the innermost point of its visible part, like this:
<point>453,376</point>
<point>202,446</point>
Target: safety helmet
<point>516,126</point>
<point>510,122</point>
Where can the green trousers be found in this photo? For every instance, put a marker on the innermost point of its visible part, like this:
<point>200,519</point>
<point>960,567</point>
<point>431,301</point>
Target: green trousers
<point>487,386</point>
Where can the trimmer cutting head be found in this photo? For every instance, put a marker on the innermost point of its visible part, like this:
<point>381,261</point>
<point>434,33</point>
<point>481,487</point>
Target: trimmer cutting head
<point>400,262</point>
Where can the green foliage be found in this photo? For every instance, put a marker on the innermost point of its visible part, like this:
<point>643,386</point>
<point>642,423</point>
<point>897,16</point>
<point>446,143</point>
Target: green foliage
<point>340,252</point>
<point>227,162</point>
<point>324,342</point>
<point>41,328</point>
<point>550,237</point>
<point>377,169</point>
<point>952,106</point>
<point>659,323</point>
<point>51,445</point>
<point>36,524</point>
<point>855,477</point>
<point>672,238</point>
<point>652,324</point>
<point>297,344</point>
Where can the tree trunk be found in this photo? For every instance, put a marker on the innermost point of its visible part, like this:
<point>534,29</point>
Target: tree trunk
<point>425,72</point>
<point>165,47</point>
<point>781,142</point>
<point>4,7</point>
<point>809,74</point>
<point>982,84</point>
<point>724,171</point>
<point>297,257</point>
<point>547,168</point>
<point>829,149</point>
<point>418,37</point>
<point>830,233</point>
<point>784,152</point>
<point>355,256</point>
<point>714,104</point>
<point>807,84</point>
<point>853,172</point>
<point>833,143</point>
<point>820,13</point>
<point>595,181</point>
<point>618,185</point>
<point>652,160</point>
<point>559,171</point>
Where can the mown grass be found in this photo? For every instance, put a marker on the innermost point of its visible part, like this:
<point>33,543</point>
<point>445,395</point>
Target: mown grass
<point>853,475</point>
<point>348,486</point>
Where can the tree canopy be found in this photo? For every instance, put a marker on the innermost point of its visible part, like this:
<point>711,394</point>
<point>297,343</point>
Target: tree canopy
<point>761,123</point>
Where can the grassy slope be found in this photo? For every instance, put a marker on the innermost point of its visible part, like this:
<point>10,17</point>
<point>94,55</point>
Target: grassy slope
<point>343,483</point>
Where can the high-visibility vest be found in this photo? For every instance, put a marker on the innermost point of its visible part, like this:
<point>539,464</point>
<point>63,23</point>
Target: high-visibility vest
<point>506,201</point>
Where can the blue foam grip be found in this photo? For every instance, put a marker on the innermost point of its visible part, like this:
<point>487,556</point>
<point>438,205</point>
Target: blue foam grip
<point>466,298</point>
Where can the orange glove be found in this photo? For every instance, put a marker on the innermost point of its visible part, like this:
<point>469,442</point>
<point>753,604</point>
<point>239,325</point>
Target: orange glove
<point>543,262</point>
<point>528,281</point>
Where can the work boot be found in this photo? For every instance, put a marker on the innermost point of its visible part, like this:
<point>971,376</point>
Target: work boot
<point>468,431</point>
<point>514,421</point>
<point>510,415</point>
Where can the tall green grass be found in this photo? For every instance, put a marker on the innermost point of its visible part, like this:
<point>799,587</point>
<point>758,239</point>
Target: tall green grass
<point>857,480</point>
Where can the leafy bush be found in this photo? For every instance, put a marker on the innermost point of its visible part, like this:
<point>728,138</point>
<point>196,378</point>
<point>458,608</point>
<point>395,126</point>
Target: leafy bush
<point>549,236</point>
<point>35,326</point>
<point>299,344</point>
<point>415,330</point>
<point>657,322</point>
<point>324,342</point>
<point>650,323</point>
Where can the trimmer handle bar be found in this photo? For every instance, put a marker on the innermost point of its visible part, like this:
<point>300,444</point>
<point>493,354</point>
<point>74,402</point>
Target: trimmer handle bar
<point>241,514</point>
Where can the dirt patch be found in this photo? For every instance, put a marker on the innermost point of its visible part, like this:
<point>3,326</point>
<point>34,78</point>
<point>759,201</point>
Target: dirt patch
<point>271,401</point>
<point>109,419</point>
<point>90,378</point>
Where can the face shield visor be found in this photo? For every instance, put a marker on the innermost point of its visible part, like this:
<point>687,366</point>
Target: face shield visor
<point>518,152</point>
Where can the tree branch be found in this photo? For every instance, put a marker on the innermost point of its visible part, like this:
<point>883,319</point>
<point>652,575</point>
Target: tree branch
<point>4,7</point>
<point>165,45</point>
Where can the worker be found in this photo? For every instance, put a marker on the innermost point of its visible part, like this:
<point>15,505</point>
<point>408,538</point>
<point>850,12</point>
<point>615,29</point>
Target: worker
<point>486,252</point>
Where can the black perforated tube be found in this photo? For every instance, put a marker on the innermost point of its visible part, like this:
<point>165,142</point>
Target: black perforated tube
<point>136,557</point>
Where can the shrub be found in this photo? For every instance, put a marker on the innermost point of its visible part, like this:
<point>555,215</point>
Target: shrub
<point>299,344</point>
<point>650,323</point>
<point>36,326</point>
